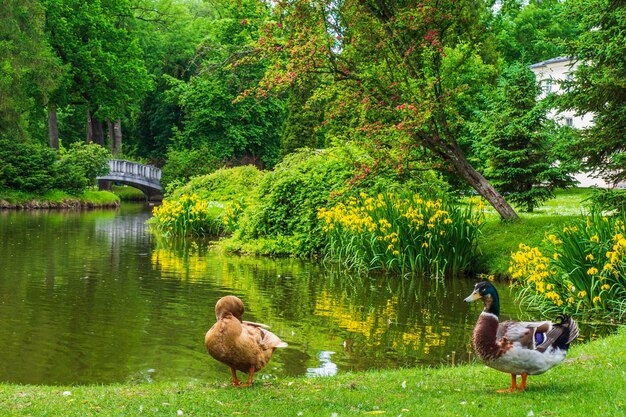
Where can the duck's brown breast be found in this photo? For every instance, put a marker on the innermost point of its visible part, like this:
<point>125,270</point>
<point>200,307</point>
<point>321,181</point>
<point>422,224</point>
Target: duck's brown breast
<point>484,338</point>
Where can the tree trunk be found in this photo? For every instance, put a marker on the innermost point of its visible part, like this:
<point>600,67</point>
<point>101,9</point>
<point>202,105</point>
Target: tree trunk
<point>115,134</point>
<point>478,182</point>
<point>53,127</point>
<point>98,131</point>
<point>89,127</point>
<point>95,131</point>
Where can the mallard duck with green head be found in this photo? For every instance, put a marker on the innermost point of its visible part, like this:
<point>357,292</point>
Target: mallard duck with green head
<point>518,347</point>
<point>242,345</point>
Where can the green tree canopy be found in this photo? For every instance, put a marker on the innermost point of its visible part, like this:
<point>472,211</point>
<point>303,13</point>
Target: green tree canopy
<point>599,84</point>
<point>383,61</point>
<point>104,67</point>
<point>229,130</point>
<point>517,142</point>
<point>532,31</point>
<point>28,69</point>
<point>170,40</point>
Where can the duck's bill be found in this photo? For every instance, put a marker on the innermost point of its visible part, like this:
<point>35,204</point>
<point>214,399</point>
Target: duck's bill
<point>473,297</point>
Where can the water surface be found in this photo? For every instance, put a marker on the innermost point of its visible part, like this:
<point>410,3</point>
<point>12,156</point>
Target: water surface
<point>90,297</point>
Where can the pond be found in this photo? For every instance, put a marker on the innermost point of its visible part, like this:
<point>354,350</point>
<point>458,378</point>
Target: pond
<point>90,297</point>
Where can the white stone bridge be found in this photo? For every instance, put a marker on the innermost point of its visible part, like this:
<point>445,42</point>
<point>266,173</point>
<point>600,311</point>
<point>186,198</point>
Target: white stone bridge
<point>143,177</point>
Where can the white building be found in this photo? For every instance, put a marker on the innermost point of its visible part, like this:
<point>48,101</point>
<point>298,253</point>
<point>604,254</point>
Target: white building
<point>549,75</point>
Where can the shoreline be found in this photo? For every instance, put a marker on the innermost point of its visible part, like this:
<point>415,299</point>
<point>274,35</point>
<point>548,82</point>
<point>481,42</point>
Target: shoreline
<point>69,204</point>
<point>58,200</point>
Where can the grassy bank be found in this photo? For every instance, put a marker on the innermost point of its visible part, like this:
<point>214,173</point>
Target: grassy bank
<point>57,199</point>
<point>499,239</point>
<point>590,382</point>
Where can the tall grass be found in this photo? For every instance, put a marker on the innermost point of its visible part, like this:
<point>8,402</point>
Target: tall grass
<point>188,216</point>
<point>581,271</point>
<point>403,234</point>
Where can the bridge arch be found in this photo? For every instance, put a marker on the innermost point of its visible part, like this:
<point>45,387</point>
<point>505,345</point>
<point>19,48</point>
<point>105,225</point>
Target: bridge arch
<point>143,177</point>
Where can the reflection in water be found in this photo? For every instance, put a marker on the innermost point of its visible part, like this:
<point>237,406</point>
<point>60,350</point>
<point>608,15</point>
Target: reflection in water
<point>326,368</point>
<point>90,297</point>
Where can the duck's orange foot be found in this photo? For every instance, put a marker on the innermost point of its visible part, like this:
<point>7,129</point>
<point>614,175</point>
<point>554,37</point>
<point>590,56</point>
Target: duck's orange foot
<point>236,382</point>
<point>249,383</point>
<point>513,385</point>
<point>522,386</point>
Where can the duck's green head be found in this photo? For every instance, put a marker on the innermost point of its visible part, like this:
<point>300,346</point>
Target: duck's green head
<point>485,291</point>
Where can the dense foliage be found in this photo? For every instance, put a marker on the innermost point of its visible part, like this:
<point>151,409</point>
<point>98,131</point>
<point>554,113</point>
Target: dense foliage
<point>184,164</point>
<point>103,67</point>
<point>26,166</point>
<point>226,184</point>
<point>609,200</point>
<point>533,31</point>
<point>277,212</point>
<point>90,160</point>
<point>36,168</point>
<point>30,70</point>
<point>414,106</point>
<point>285,217</point>
<point>303,123</point>
<point>199,104</point>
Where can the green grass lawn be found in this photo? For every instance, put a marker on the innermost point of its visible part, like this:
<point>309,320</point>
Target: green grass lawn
<point>499,239</point>
<point>592,382</point>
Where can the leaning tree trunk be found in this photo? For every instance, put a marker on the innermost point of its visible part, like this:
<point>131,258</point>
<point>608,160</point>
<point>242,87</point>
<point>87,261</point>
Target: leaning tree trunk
<point>478,182</point>
<point>115,135</point>
<point>53,127</point>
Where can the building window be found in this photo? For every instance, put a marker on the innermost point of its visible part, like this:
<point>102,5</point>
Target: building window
<point>546,86</point>
<point>569,121</point>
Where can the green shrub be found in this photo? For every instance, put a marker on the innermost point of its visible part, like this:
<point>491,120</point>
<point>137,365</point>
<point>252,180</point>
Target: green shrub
<point>285,219</point>
<point>581,270</point>
<point>290,195</point>
<point>403,234</point>
<point>78,166</point>
<point>226,184</point>
<point>90,158</point>
<point>26,166</point>
<point>209,204</point>
<point>71,178</point>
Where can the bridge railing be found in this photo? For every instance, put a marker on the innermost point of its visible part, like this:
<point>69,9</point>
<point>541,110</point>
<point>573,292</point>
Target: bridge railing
<point>135,169</point>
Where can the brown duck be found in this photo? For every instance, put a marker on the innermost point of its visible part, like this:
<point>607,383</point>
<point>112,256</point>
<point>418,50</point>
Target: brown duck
<point>518,347</point>
<point>242,345</point>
